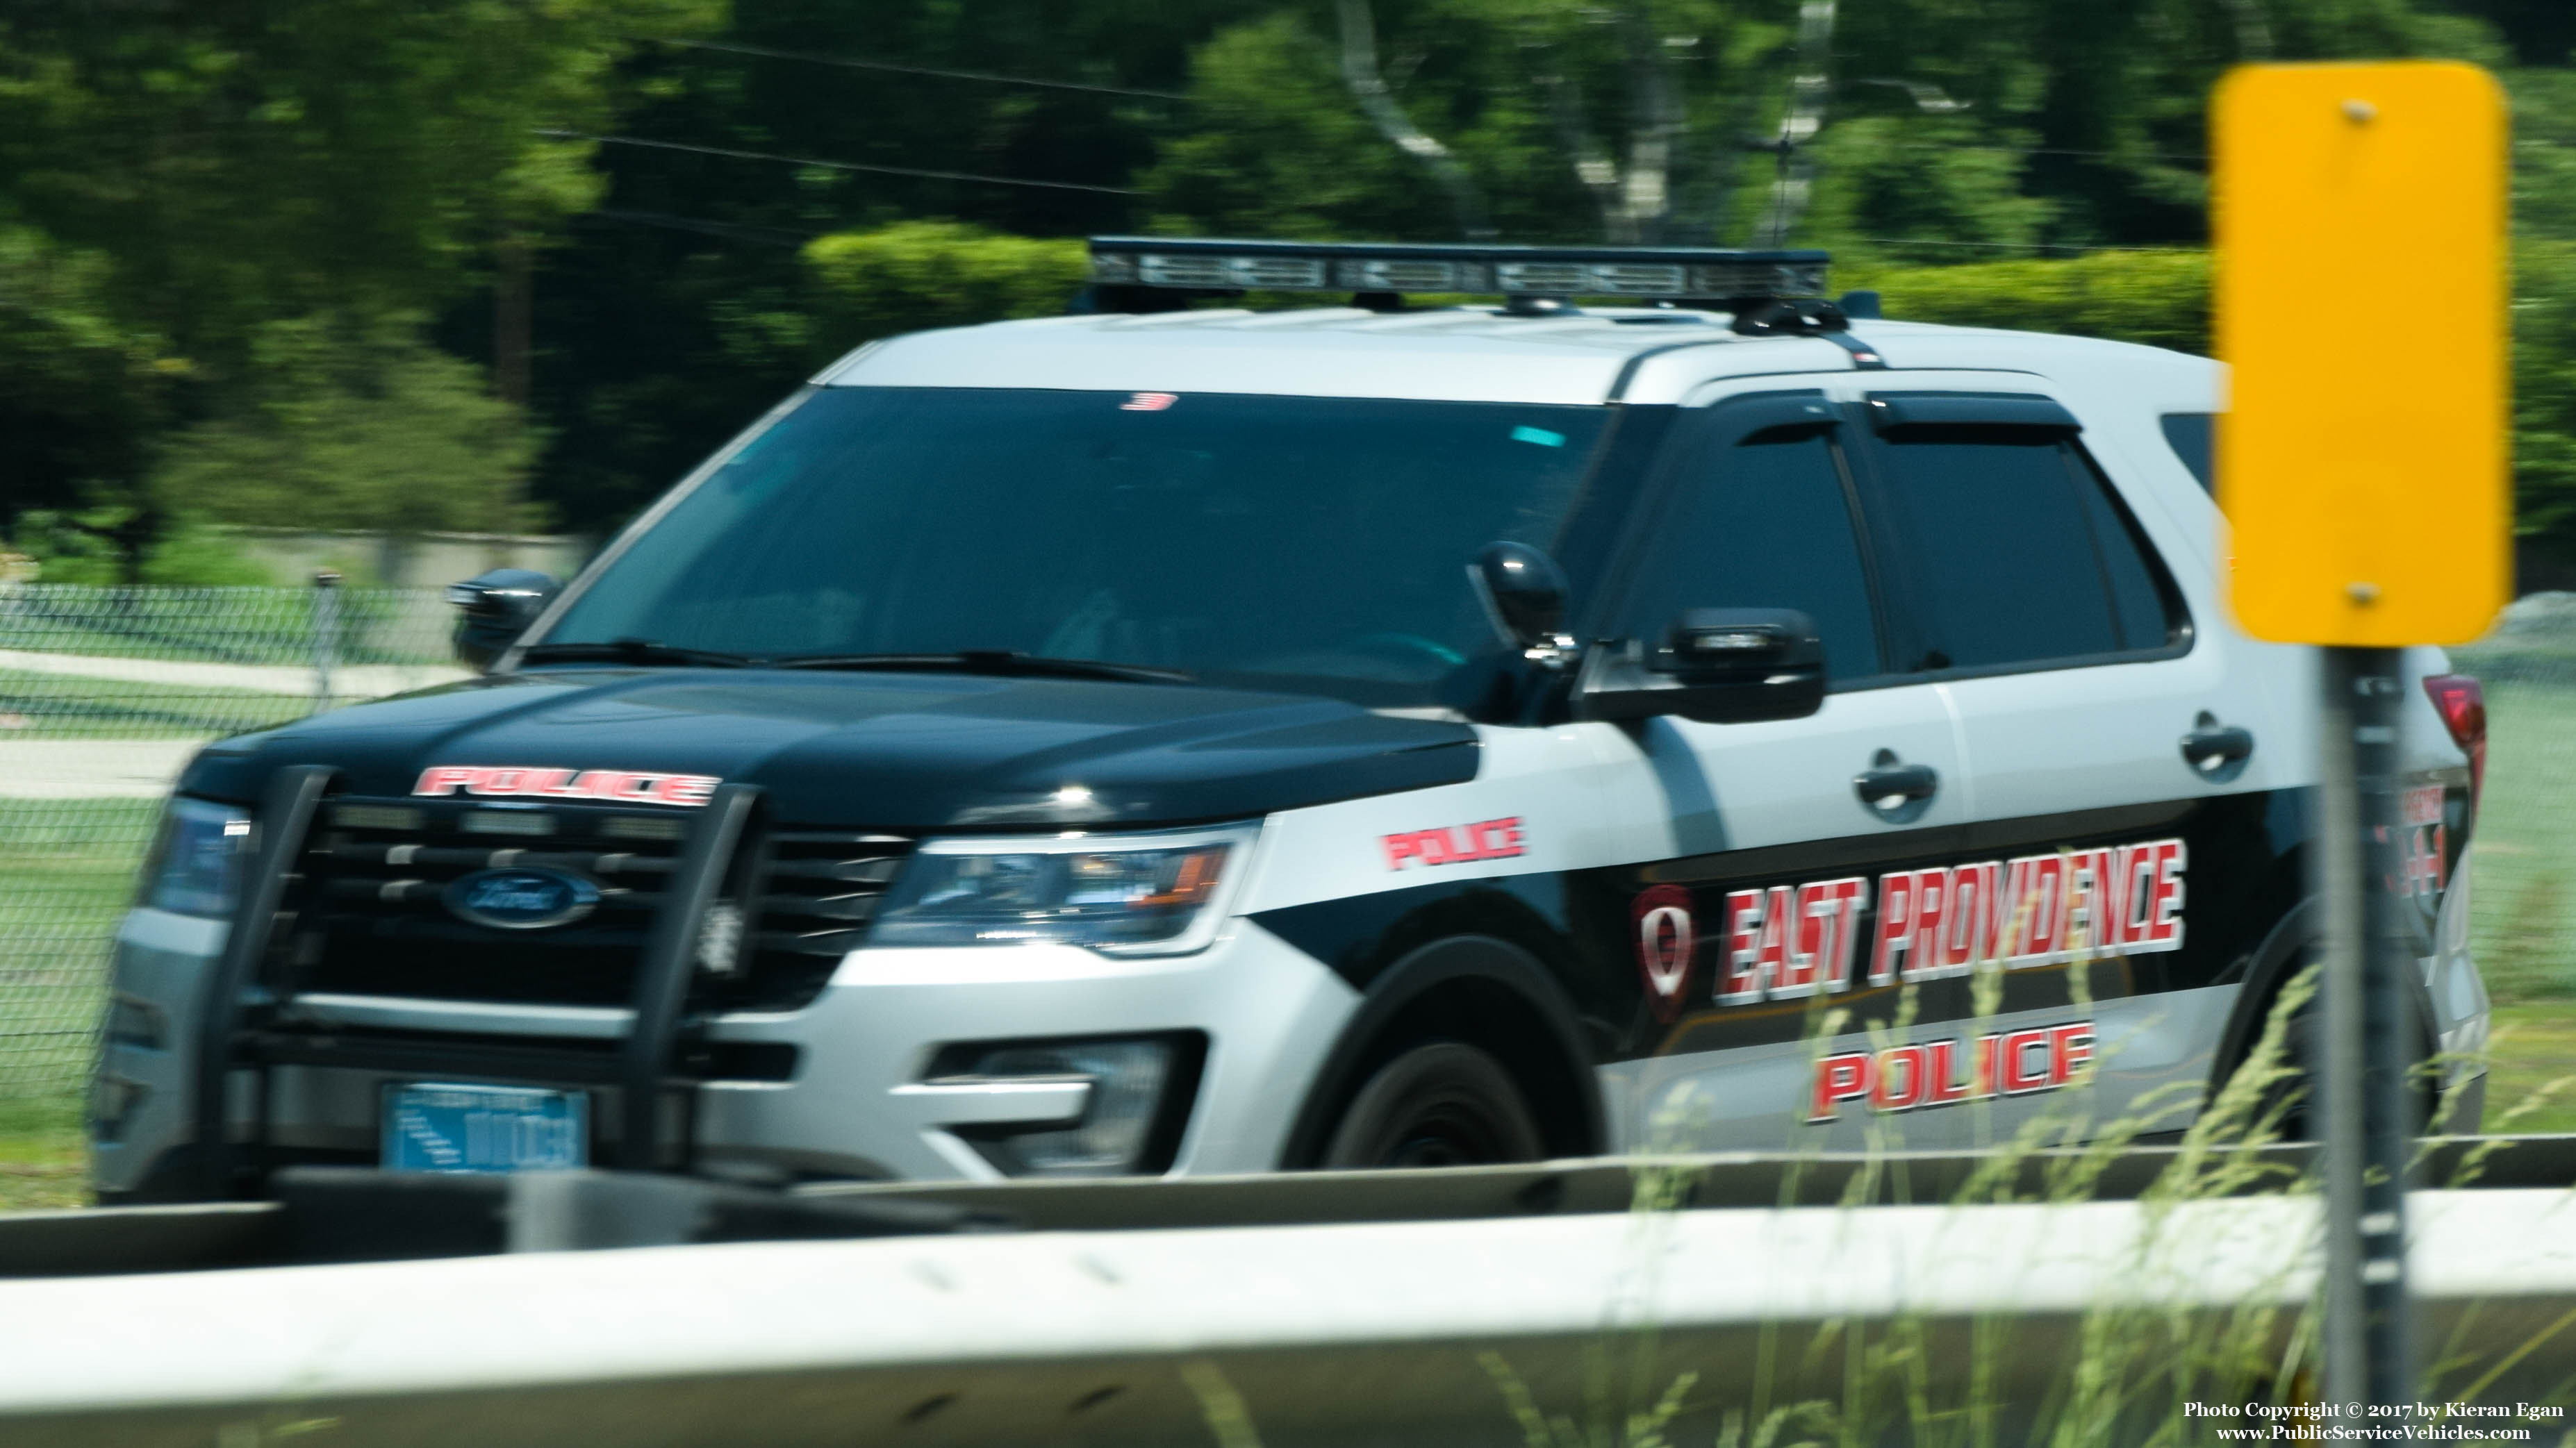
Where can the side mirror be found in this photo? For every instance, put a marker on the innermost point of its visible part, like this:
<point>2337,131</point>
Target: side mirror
<point>494,609</point>
<point>1714,666</point>
<point>1524,595</point>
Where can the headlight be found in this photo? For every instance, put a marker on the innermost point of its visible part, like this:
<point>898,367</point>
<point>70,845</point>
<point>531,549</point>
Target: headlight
<point>196,864</point>
<point>1159,894</point>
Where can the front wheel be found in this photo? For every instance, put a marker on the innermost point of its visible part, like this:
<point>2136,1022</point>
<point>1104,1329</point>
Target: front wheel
<point>1438,1105</point>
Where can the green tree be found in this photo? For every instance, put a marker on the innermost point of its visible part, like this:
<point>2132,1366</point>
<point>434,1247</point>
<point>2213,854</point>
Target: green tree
<point>2000,123</point>
<point>354,426</point>
<point>1570,121</point>
<point>195,179</point>
<point>684,309</point>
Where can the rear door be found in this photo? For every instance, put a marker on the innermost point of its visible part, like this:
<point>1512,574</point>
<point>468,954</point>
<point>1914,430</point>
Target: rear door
<point>2125,805</point>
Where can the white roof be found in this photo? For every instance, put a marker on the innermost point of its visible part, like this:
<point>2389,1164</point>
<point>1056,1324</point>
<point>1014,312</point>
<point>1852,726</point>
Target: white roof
<point>1455,354</point>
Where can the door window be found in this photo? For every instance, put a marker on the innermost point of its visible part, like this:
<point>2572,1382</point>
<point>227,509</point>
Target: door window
<point>2017,554</point>
<point>1765,523</point>
<point>2194,441</point>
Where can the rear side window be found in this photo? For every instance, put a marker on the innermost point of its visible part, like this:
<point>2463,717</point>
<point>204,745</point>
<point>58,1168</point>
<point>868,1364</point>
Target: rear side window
<point>1765,523</point>
<point>2192,436</point>
<point>2016,552</point>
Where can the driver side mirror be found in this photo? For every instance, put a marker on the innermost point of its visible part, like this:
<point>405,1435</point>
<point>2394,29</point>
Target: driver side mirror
<point>1713,666</point>
<point>494,609</point>
<point>1524,595</point>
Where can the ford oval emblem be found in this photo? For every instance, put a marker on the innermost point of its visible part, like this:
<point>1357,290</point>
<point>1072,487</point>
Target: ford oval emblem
<point>521,899</point>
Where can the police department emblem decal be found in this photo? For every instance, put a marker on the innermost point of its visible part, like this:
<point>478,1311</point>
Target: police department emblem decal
<point>521,899</point>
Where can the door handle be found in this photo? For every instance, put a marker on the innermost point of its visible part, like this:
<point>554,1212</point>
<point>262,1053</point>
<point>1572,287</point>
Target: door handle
<point>2214,750</point>
<point>1895,791</point>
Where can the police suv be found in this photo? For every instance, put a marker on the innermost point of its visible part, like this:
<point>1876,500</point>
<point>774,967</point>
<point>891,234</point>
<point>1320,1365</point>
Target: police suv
<point>1181,738</point>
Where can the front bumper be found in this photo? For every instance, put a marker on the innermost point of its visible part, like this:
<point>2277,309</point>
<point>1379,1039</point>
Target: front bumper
<point>854,1106</point>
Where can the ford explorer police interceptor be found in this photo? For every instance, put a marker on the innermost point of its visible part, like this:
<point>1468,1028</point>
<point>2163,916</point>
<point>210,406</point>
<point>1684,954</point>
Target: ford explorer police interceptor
<point>1175,738</point>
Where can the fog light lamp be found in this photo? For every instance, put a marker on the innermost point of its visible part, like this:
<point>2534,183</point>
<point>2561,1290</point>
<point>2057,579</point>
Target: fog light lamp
<point>112,1103</point>
<point>1116,1135</point>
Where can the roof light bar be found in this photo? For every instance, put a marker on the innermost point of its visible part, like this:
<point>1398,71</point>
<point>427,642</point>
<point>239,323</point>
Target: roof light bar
<point>1663,272</point>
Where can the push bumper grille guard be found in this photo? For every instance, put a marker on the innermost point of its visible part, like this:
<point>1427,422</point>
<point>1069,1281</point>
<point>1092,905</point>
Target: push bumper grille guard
<point>248,984</point>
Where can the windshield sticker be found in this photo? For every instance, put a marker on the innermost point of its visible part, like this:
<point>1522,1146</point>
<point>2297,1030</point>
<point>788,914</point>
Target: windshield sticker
<point>615,786</point>
<point>1539,435</point>
<point>1454,844</point>
<point>1149,401</point>
<point>1945,1073</point>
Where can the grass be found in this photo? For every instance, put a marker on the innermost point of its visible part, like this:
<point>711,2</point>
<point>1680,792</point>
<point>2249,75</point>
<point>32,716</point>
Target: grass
<point>2524,884</point>
<point>2524,850</point>
<point>2533,1045</point>
<point>44,1159</point>
<point>60,706</point>
<point>69,868</point>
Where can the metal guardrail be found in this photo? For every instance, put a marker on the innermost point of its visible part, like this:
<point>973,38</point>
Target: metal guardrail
<point>423,1219</point>
<point>1433,1312</point>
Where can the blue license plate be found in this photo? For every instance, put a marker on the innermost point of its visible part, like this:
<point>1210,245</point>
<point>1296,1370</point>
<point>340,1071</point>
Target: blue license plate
<point>434,1126</point>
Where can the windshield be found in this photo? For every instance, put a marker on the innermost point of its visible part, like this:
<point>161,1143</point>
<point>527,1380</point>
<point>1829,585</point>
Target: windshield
<point>1295,543</point>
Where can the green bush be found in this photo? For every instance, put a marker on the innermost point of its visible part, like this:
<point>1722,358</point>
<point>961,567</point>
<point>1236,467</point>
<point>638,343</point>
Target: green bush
<point>88,546</point>
<point>2160,298</point>
<point>923,274</point>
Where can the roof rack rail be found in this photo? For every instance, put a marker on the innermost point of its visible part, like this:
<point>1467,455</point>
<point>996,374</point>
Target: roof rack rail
<point>1152,273</point>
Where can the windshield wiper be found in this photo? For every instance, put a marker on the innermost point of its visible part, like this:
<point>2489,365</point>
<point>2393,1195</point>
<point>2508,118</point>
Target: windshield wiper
<point>1006,663</point>
<point>630,651</point>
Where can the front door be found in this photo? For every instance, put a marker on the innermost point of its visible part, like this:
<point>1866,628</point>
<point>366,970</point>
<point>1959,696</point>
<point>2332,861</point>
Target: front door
<point>1758,936</point>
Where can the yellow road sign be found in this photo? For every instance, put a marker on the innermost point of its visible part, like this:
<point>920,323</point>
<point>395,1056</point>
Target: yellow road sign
<point>2361,300</point>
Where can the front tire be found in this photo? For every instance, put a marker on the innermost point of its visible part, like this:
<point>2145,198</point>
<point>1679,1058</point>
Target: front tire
<point>1443,1104</point>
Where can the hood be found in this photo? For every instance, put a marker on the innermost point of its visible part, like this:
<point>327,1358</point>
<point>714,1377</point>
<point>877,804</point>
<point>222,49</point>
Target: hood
<point>908,751</point>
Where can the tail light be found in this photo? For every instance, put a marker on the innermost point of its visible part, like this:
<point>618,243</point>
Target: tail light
<point>2463,706</point>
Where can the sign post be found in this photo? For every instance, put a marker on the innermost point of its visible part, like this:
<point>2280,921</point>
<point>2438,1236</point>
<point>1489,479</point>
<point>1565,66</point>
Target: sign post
<point>2360,220</point>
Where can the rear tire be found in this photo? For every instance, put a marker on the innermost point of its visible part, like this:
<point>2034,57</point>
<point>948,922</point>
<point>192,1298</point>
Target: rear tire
<point>2289,1100</point>
<point>1442,1104</point>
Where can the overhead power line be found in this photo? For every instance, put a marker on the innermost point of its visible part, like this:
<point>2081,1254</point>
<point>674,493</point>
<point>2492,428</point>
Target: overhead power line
<point>863,166</point>
<point>988,77</point>
<point>727,230</point>
<point>2044,151</point>
<point>2072,246</point>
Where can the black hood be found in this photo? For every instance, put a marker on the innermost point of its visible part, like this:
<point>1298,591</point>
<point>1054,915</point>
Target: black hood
<point>913,751</point>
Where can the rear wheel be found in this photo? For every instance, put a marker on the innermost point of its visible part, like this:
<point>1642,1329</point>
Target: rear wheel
<point>2288,1100</point>
<point>1442,1104</point>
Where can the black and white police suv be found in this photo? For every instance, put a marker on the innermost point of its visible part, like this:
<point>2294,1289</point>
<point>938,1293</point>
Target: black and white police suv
<point>1169,738</point>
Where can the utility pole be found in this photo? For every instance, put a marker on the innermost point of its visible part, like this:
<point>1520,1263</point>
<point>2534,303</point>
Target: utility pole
<point>513,317</point>
<point>513,343</point>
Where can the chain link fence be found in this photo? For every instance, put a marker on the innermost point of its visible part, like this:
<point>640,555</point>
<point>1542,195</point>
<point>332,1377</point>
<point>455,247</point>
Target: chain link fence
<point>104,694</point>
<point>2525,869</point>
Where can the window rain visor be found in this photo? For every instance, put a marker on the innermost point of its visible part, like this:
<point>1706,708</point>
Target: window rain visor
<point>1300,544</point>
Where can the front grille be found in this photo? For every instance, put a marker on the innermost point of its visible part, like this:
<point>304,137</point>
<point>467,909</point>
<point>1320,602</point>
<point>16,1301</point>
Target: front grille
<point>367,911</point>
<point>817,890</point>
